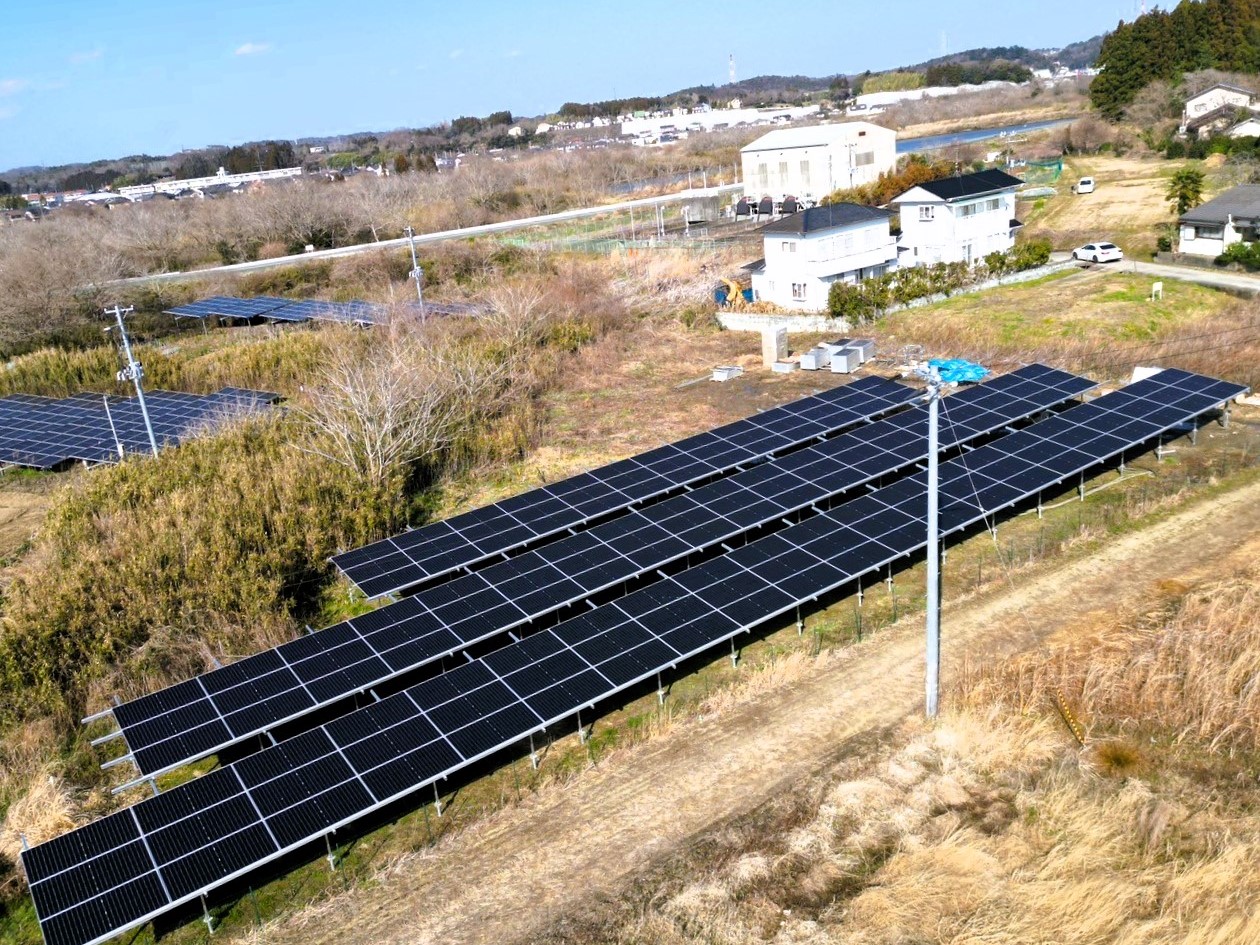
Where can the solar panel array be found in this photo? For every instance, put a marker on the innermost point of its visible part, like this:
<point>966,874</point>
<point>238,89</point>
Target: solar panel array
<point>133,865</point>
<point>227,307</point>
<point>42,432</point>
<point>204,714</point>
<point>305,310</point>
<point>397,563</point>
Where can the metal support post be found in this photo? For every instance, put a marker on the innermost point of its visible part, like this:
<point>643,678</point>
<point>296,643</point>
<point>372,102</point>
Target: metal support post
<point>1040,511</point>
<point>205,915</point>
<point>1122,459</point>
<point>134,371</point>
<point>1225,417</point>
<point>734,654</point>
<point>1159,452</point>
<point>859,583</point>
<point>1080,489</point>
<point>153,786</point>
<point>581,730</point>
<point>112,429</point>
<point>416,272</point>
<point>889,580</point>
<point>660,690</point>
<point>533,755</point>
<point>437,799</point>
<point>933,629</point>
<point>1194,433</point>
<point>800,624</point>
<point>332,860</point>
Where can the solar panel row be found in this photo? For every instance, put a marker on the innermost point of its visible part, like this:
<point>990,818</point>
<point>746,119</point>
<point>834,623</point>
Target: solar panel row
<point>205,714</point>
<point>436,550</point>
<point>288,310</point>
<point>42,433</point>
<point>133,865</point>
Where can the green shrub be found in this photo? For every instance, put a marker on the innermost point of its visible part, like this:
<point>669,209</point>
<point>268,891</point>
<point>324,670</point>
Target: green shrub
<point>1246,255</point>
<point>1029,254</point>
<point>144,552</point>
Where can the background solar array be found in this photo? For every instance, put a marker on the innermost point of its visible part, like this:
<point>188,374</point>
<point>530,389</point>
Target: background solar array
<point>397,563</point>
<point>42,433</point>
<point>115,873</point>
<point>202,715</point>
<point>305,310</point>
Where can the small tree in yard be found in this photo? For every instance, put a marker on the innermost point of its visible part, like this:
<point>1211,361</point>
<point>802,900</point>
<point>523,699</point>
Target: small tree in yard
<point>1185,190</point>
<point>848,301</point>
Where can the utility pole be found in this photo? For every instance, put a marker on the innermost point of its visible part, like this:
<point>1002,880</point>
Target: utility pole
<point>932,683</point>
<point>134,371</point>
<point>416,272</point>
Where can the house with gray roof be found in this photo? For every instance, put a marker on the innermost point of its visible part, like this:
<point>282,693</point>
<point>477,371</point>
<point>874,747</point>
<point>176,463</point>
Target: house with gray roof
<point>1211,228</point>
<point>806,252</point>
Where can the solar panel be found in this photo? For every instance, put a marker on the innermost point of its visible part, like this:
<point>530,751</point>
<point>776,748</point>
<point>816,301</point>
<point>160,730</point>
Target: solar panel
<point>436,550</point>
<point>173,726</point>
<point>228,307</point>
<point>43,433</point>
<point>128,867</point>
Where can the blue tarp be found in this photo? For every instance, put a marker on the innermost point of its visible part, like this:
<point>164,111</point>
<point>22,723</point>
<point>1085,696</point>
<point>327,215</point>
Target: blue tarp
<point>958,371</point>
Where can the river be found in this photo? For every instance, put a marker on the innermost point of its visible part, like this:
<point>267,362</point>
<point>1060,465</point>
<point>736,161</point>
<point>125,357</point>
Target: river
<point>934,142</point>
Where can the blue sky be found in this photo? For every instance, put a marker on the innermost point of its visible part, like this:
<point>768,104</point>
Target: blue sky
<point>84,79</point>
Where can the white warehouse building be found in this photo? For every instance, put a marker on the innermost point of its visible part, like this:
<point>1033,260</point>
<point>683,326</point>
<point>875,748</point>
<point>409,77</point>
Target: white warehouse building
<point>806,252</point>
<point>809,163</point>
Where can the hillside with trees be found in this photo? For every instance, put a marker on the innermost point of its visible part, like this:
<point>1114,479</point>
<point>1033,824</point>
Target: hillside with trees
<point>1165,44</point>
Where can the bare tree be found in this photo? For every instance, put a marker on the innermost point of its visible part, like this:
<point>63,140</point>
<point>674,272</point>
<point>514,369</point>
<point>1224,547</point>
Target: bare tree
<point>381,408</point>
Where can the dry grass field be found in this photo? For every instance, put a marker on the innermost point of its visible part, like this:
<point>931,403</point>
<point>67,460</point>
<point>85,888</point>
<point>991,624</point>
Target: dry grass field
<point>1128,206</point>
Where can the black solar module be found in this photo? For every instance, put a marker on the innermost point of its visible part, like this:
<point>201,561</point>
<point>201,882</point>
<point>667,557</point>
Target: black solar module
<point>42,433</point>
<point>227,705</point>
<point>99,880</point>
<point>442,548</point>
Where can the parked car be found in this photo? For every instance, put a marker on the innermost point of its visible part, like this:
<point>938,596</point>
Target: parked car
<point>1083,186</point>
<point>1098,252</point>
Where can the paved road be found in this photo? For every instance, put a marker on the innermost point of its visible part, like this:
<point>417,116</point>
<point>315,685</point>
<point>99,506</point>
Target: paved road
<point>487,229</point>
<point>1216,279</point>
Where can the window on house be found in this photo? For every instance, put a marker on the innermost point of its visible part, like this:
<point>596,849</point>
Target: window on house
<point>763,177</point>
<point>789,246</point>
<point>927,213</point>
<point>863,158</point>
<point>783,174</point>
<point>848,242</point>
<point>804,175</point>
<point>798,291</point>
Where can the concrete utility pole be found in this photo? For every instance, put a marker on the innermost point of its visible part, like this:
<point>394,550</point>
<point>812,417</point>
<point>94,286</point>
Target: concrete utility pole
<point>416,272</point>
<point>134,371</point>
<point>932,682</point>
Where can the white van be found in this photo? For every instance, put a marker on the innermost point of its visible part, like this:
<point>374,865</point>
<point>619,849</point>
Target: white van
<point>1083,186</point>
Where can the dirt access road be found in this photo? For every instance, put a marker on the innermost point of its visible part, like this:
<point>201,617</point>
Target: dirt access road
<point>508,879</point>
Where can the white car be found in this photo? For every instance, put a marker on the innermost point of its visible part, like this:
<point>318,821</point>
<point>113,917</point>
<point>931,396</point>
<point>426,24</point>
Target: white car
<point>1083,186</point>
<point>1098,252</point>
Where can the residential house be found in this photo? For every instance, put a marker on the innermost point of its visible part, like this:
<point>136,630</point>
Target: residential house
<point>806,252</point>
<point>1211,228</point>
<point>1215,109</point>
<point>1247,128</point>
<point>958,219</point>
<point>812,162</point>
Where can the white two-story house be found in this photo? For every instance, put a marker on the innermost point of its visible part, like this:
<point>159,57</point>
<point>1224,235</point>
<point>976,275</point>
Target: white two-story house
<point>958,219</point>
<point>806,252</point>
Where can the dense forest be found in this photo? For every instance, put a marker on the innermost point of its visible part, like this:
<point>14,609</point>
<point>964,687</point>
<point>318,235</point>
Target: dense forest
<point>1211,34</point>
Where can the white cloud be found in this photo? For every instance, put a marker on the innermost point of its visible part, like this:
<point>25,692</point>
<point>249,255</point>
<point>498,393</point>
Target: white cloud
<point>253,49</point>
<point>512,54</point>
<point>90,56</point>
<point>456,53</point>
<point>13,86</point>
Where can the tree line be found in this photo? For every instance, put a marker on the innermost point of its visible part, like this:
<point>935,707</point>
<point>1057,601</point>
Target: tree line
<point>1166,44</point>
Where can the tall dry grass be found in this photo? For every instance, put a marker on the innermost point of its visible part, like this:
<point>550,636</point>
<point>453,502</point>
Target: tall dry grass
<point>992,826</point>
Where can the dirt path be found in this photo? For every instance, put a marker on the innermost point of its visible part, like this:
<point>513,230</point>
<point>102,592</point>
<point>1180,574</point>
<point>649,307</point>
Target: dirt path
<point>506,879</point>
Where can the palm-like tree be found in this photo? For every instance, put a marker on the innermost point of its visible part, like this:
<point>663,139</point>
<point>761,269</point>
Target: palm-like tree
<point>1185,189</point>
